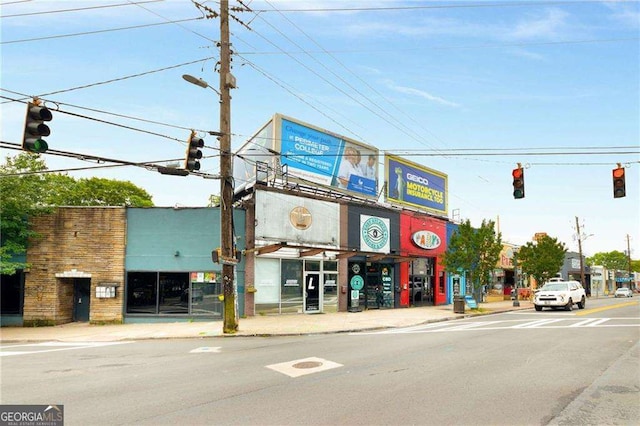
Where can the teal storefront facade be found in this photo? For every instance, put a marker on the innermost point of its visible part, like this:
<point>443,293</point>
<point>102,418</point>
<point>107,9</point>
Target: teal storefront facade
<point>170,274</point>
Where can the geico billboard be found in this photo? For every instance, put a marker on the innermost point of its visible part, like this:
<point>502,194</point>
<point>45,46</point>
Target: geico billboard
<point>314,155</point>
<point>415,185</point>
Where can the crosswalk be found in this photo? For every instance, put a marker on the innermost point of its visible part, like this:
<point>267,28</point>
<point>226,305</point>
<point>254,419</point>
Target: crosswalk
<point>44,347</point>
<point>512,324</point>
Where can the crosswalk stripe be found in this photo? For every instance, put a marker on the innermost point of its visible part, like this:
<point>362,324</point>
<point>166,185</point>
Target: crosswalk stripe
<point>537,323</point>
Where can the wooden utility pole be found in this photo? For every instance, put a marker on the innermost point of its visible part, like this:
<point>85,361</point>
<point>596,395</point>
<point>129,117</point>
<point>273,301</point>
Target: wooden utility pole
<point>227,255</point>
<point>580,252</point>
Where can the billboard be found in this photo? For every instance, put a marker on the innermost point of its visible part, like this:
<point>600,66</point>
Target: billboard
<point>414,185</point>
<point>315,155</point>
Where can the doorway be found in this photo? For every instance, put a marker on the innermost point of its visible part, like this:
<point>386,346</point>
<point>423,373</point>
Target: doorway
<point>81,299</point>
<point>312,292</point>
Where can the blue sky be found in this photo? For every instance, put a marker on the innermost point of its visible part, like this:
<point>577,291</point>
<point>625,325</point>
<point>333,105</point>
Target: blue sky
<point>429,81</point>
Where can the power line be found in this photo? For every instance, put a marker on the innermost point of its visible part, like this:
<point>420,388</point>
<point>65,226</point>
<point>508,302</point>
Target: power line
<point>453,47</point>
<point>75,9</point>
<point>449,6</point>
<point>149,165</point>
<point>99,31</point>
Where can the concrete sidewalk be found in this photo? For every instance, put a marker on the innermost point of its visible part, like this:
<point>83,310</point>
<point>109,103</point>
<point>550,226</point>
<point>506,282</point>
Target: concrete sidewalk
<point>276,325</point>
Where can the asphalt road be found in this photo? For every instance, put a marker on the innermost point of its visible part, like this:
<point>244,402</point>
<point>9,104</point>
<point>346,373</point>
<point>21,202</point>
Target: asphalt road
<point>519,368</point>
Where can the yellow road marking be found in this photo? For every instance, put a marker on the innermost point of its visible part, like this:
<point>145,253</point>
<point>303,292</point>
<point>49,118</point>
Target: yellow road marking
<point>605,308</point>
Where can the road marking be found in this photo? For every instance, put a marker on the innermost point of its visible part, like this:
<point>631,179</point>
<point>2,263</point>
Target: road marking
<point>605,308</point>
<point>471,325</point>
<point>537,323</point>
<point>58,346</point>
<point>585,322</point>
<point>302,367</point>
<point>214,349</point>
<point>547,323</point>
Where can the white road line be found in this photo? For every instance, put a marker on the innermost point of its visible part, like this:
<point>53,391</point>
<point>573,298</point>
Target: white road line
<point>59,346</point>
<point>598,322</point>
<point>538,323</point>
<point>583,322</point>
<point>472,325</point>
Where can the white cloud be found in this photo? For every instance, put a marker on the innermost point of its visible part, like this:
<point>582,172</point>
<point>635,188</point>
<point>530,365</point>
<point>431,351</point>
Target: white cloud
<point>422,94</point>
<point>550,25</point>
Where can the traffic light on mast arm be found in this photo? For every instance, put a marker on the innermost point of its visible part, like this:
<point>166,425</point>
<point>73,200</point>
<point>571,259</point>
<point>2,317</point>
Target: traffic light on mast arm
<point>619,187</point>
<point>518,182</point>
<point>193,153</point>
<point>35,129</point>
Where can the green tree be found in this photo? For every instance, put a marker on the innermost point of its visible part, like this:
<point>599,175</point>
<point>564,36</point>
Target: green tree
<point>542,259</point>
<point>23,191</point>
<point>475,252</point>
<point>613,260</point>
<point>27,190</point>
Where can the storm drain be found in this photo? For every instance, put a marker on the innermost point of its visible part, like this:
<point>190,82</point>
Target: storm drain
<point>301,367</point>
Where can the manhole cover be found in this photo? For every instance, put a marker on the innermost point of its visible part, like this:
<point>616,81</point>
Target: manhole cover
<point>307,364</point>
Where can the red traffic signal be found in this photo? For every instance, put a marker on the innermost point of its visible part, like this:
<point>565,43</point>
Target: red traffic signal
<point>518,183</point>
<point>619,187</point>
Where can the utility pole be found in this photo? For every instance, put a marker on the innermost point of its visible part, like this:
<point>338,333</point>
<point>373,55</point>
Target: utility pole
<point>227,81</point>
<point>580,252</point>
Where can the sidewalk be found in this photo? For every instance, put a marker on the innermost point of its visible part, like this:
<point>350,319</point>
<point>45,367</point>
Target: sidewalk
<point>277,325</point>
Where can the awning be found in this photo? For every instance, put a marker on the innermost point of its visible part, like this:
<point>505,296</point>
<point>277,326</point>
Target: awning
<point>339,253</point>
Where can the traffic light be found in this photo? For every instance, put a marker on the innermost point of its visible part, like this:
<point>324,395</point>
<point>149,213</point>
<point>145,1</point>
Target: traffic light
<point>35,129</point>
<point>518,183</point>
<point>193,154</point>
<point>619,187</point>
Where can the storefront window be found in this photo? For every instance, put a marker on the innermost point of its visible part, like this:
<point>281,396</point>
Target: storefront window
<point>330,292</point>
<point>142,292</point>
<point>291,286</point>
<point>173,293</point>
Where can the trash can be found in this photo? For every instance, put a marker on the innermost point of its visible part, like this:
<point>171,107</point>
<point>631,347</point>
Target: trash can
<point>458,304</point>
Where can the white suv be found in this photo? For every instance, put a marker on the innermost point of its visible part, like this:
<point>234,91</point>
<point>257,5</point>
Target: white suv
<point>560,294</point>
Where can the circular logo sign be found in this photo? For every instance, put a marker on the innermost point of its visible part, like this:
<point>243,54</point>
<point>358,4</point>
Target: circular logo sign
<point>375,233</point>
<point>355,268</point>
<point>357,283</point>
<point>300,218</point>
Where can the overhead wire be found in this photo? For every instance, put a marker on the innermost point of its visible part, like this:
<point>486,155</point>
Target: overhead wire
<point>76,9</point>
<point>149,165</point>
<point>447,6</point>
<point>25,40</point>
<point>385,98</point>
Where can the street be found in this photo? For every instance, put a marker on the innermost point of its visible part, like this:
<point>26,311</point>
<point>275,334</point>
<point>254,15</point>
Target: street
<point>524,368</point>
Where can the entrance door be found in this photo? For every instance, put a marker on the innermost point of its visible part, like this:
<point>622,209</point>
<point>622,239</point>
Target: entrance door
<point>81,299</point>
<point>312,292</point>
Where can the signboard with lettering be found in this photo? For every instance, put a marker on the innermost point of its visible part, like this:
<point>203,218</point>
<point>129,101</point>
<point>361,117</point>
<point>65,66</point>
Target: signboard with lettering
<point>414,185</point>
<point>316,155</point>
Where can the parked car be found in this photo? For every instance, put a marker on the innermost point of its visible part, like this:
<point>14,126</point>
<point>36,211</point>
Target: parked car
<point>623,292</point>
<point>560,294</point>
